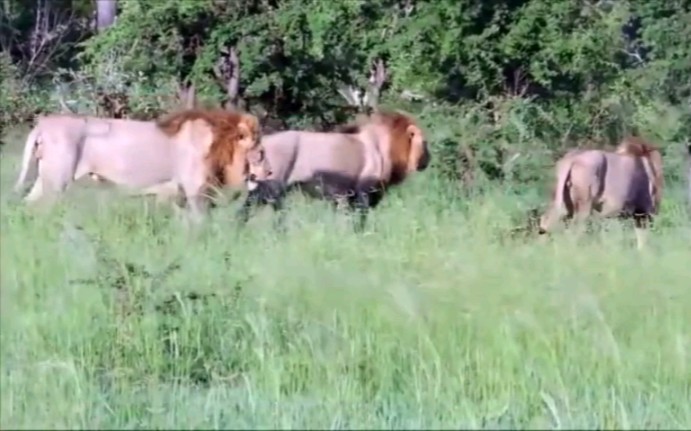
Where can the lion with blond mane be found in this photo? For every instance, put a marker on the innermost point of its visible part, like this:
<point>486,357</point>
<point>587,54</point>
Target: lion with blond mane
<point>187,151</point>
<point>354,165</point>
<point>626,183</point>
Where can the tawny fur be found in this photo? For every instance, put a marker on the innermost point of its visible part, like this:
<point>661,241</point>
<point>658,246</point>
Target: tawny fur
<point>627,182</point>
<point>180,152</point>
<point>401,148</point>
<point>226,157</point>
<point>637,147</point>
<point>356,163</point>
<point>391,137</point>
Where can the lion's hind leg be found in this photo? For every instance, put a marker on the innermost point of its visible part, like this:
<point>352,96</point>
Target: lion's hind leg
<point>36,191</point>
<point>56,170</point>
<point>641,225</point>
<point>581,197</point>
<point>360,205</point>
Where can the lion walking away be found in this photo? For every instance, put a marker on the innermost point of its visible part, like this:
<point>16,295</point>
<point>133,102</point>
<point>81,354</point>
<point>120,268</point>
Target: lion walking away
<point>627,183</point>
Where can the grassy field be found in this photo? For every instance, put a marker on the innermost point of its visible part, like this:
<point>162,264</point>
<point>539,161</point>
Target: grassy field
<point>433,318</point>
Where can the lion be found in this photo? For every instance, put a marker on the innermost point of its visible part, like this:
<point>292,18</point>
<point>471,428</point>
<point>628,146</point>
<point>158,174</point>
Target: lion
<point>354,165</point>
<point>187,151</point>
<point>625,183</point>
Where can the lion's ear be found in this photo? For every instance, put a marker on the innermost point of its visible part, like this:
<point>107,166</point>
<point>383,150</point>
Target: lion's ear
<point>413,131</point>
<point>251,120</point>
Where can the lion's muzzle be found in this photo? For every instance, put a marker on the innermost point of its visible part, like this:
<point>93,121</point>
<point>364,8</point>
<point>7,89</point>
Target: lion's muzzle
<point>425,159</point>
<point>252,182</point>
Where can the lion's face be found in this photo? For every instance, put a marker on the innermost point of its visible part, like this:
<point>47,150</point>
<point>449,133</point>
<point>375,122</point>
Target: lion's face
<point>419,156</point>
<point>249,133</point>
<point>258,166</point>
<point>553,216</point>
<point>248,140</point>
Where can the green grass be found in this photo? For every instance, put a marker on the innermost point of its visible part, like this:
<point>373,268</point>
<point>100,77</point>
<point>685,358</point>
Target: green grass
<point>433,318</point>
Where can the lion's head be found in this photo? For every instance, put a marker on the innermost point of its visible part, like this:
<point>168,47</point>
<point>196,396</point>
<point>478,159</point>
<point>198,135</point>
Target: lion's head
<point>236,154</point>
<point>408,150</point>
<point>635,146</point>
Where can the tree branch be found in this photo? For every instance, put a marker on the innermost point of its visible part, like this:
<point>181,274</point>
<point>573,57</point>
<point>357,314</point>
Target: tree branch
<point>227,74</point>
<point>378,76</point>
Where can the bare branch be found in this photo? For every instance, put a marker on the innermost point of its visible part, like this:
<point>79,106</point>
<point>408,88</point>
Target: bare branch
<point>61,100</point>
<point>635,55</point>
<point>508,163</point>
<point>234,79</point>
<point>412,96</point>
<point>191,97</point>
<point>187,93</point>
<point>378,76</point>
<point>365,100</point>
<point>50,28</point>
<point>218,73</point>
<point>227,74</point>
<point>352,95</point>
<point>566,135</point>
<point>520,85</point>
<point>408,8</point>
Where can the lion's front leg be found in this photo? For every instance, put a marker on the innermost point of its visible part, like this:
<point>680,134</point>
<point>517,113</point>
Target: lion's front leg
<point>264,193</point>
<point>197,203</point>
<point>194,193</point>
<point>361,204</point>
<point>197,206</point>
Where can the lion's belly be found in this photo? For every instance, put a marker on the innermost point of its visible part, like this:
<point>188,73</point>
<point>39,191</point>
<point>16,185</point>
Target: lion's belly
<point>331,163</point>
<point>129,163</point>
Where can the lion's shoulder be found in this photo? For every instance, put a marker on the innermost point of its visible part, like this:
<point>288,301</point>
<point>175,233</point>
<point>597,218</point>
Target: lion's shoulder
<point>219,120</point>
<point>228,129</point>
<point>396,123</point>
<point>401,129</point>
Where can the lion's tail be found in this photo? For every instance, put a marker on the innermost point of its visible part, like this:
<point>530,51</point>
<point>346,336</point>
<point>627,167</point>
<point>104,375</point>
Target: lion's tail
<point>27,158</point>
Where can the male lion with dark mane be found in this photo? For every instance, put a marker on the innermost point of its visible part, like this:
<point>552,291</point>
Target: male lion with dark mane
<point>626,183</point>
<point>355,164</point>
<point>186,151</point>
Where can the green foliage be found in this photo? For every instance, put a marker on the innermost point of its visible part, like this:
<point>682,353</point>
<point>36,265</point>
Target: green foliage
<point>531,76</point>
<point>444,319</point>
